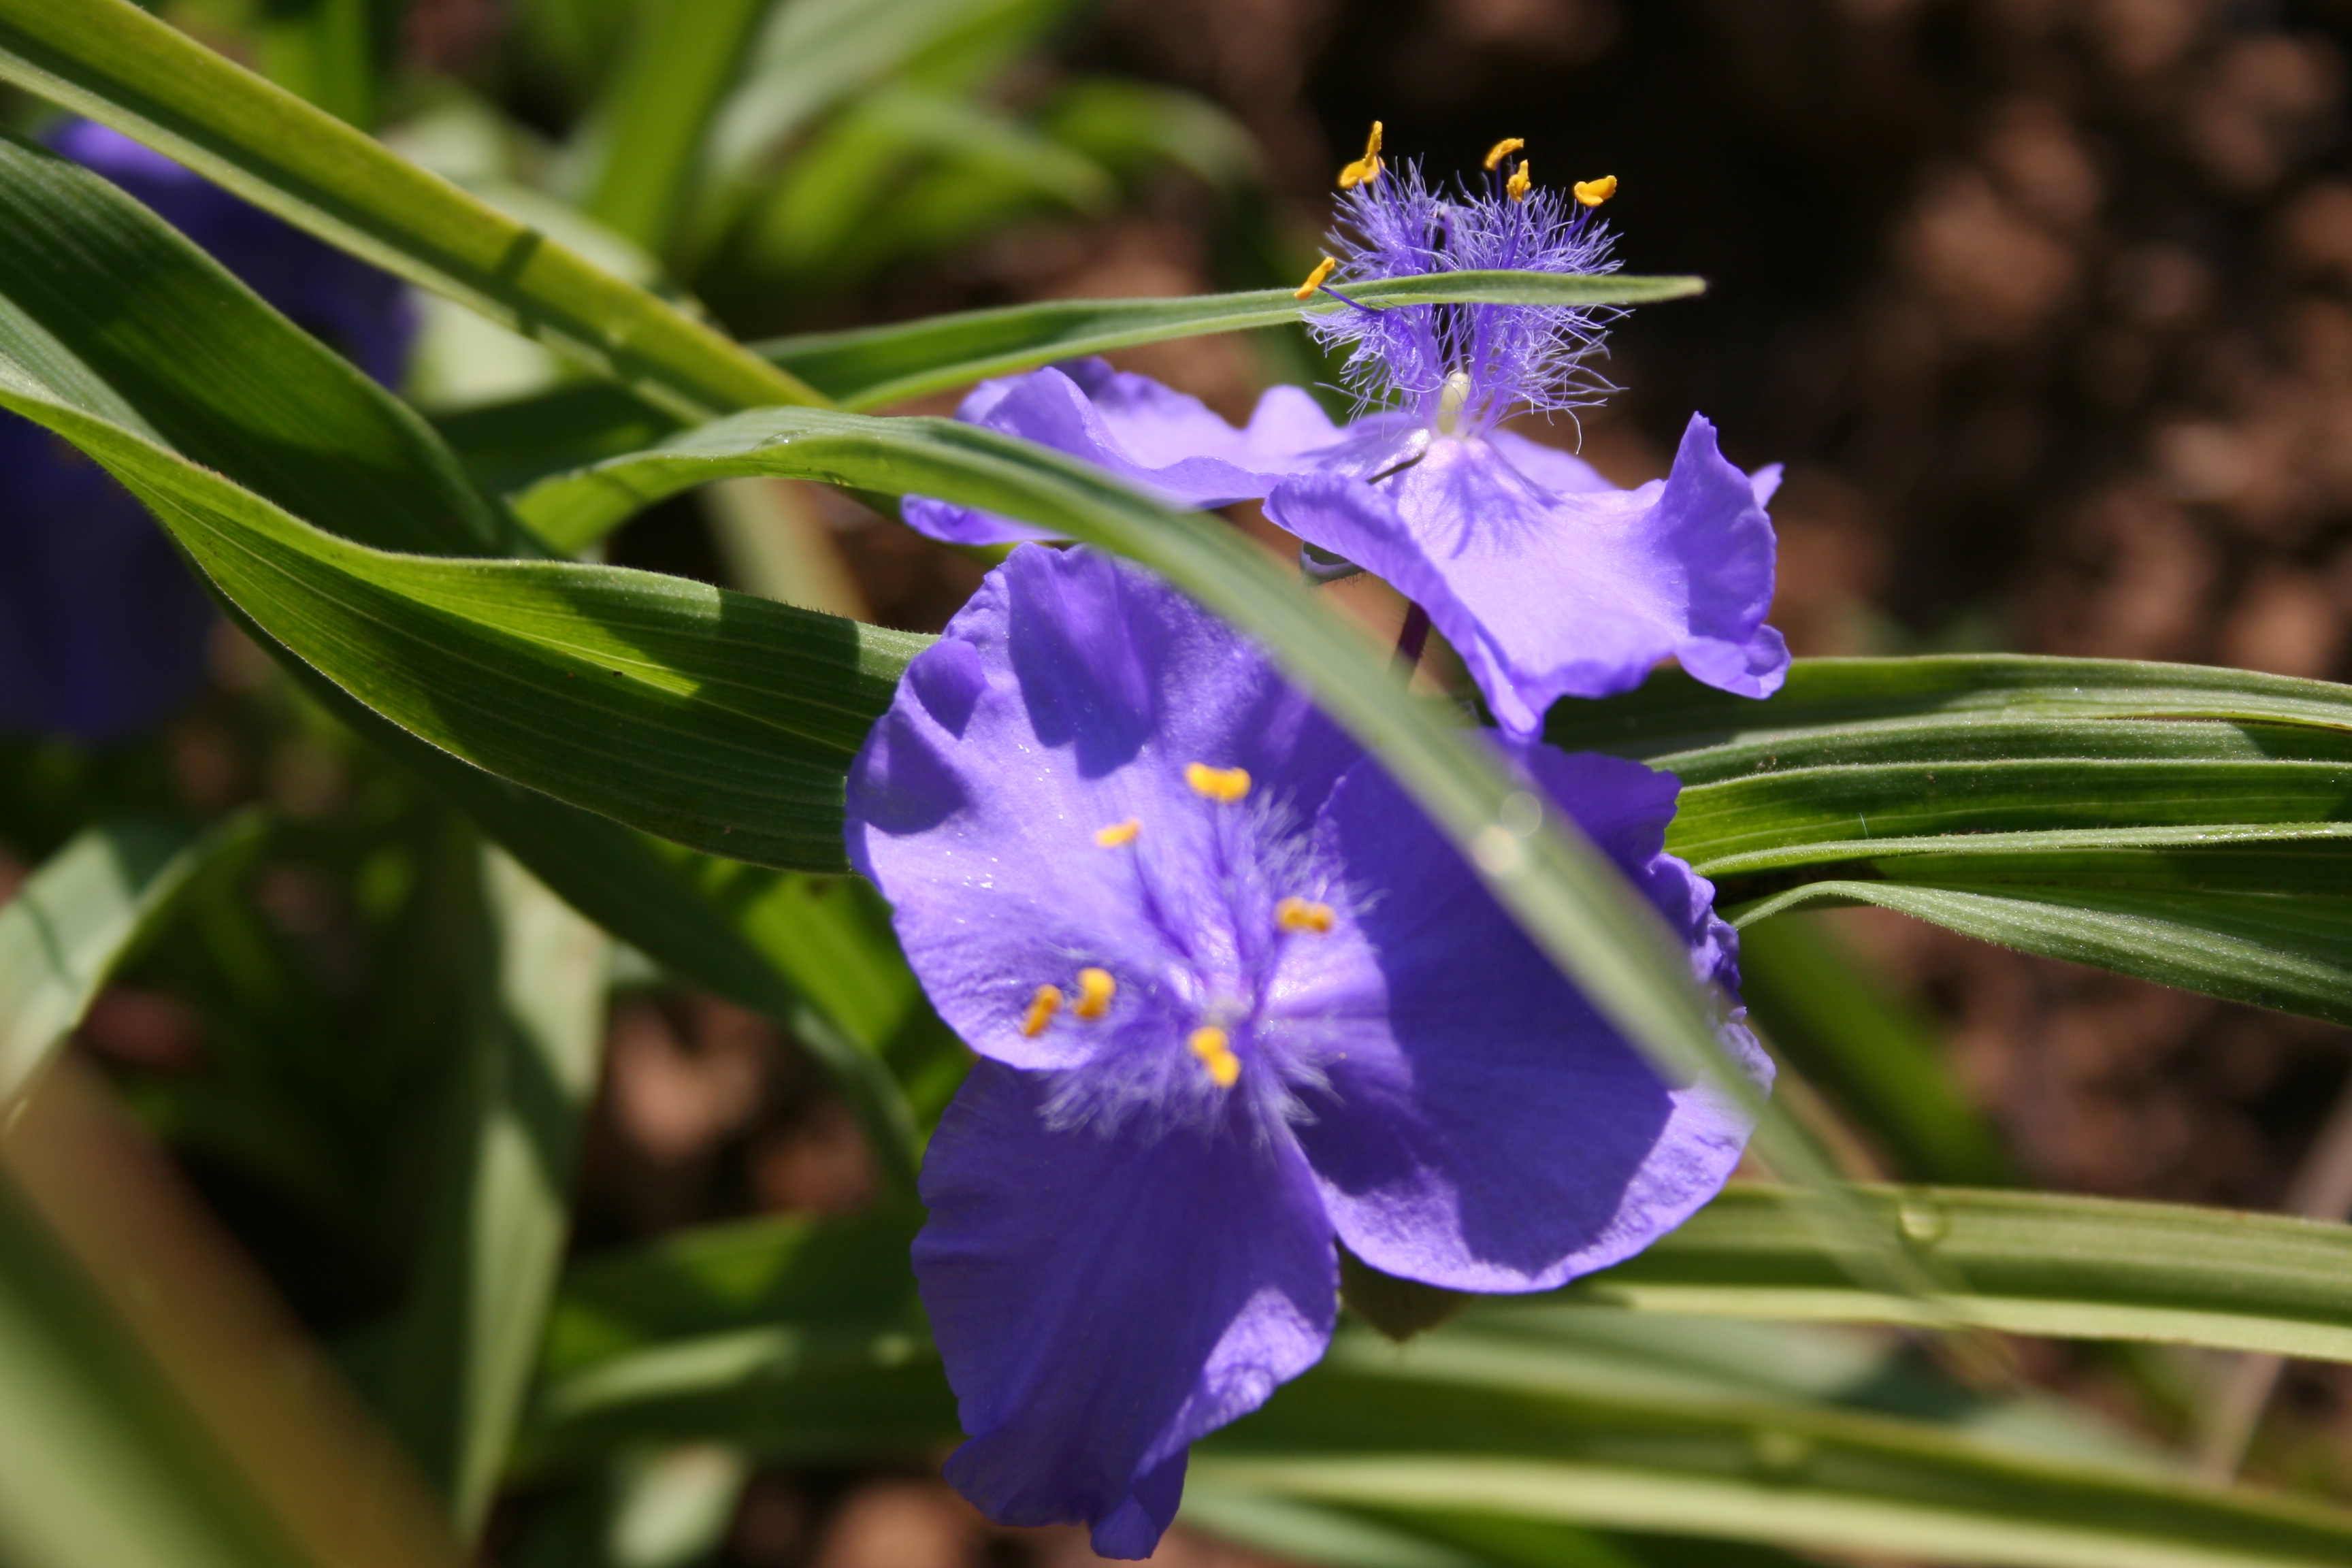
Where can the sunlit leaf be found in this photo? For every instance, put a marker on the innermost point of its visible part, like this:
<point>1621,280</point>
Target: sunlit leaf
<point>2033,1263</point>
<point>871,367</point>
<point>2184,825</point>
<point>109,60</point>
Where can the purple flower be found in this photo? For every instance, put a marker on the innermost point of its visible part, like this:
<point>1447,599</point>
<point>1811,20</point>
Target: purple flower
<point>102,627</point>
<point>1549,581</point>
<point>1234,997</point>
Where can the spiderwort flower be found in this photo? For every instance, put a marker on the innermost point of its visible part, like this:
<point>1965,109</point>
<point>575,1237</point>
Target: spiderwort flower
<point>1233,997</point>
<point>1547,580</point>
<point>102,629</point>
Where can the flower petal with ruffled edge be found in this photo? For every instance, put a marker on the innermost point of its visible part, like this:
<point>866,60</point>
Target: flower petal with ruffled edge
<point>1485,1130</point>
<point>1548,596</point>
<point>1226,1010</point>
<point>1102,1300</point>
<point>1174,446</point>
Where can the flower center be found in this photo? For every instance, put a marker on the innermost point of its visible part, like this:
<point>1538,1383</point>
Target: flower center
<point>1172,1018</point>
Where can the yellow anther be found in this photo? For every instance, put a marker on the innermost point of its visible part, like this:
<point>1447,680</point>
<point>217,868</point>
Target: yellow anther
<point>1502,150</point>
<point>1041,1008</point>
<point>1520,183</point>
<point>1367,168</point>
<point>1095,988</point>
<point>1323,269</point>
<point>1224,786</point>
<point>1593,193</point>
<point>1119,833</point>
<point>1303,914</point>
<point>1215,1049</point>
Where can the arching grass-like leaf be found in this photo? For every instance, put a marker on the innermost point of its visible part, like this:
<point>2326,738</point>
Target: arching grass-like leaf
<point>113,62</point>
<point>776,944</point>
<point>117,313</point>
<point>1521,1416</point>
<point>871,367</point>
<point>648,132</point>
<point>2033,1263</point>
<point>169,342</point>
<point>716,720</point>
<point>527,1065</point>
<point>2188,826</point>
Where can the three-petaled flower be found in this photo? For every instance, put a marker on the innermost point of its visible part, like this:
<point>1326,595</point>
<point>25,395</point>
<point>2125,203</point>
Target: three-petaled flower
<point>1235,999</point>
<point>1547,580</point>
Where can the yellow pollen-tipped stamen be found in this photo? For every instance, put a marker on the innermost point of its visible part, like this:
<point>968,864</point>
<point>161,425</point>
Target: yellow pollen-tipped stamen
<point>1095,988</point>
<point>1323,269</point>
<point>1119,833</point>
<point>1520,182</point>
<point>1303,914</point>
<point>1367,168</point>
<point>1224,786</point>
<point>1041,1008</point>
<point>1215,1049</point>
<point>1502,150</point>
<point>1593,193</point>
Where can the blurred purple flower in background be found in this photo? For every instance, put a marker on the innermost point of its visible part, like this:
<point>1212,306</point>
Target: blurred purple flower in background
<point>1549,581</point>
<point>1234,997</point>
<point>102,625</point>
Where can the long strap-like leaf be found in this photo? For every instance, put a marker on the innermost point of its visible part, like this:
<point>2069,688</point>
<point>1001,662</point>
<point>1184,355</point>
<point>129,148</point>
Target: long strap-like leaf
<point>75,917</point>
<point>113,62</point>
<point>790,1338</point>
<point>2036,1263</point>
<point>2185,824</point>
<point>526,1067</point>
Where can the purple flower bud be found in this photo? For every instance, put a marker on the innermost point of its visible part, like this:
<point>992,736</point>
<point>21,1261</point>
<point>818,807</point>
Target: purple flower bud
<point>1235,999</point>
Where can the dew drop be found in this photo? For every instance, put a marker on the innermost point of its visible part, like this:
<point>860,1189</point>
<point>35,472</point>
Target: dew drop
<point>1923,1221</point>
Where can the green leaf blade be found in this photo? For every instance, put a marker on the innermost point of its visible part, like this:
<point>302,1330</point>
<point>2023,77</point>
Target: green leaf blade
<point>2033,1263</point>
<point>2188,826</point>
<point>871,367</point>
<point>469,1342</point>
<point>74,919</point>
<point>109,60</point>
